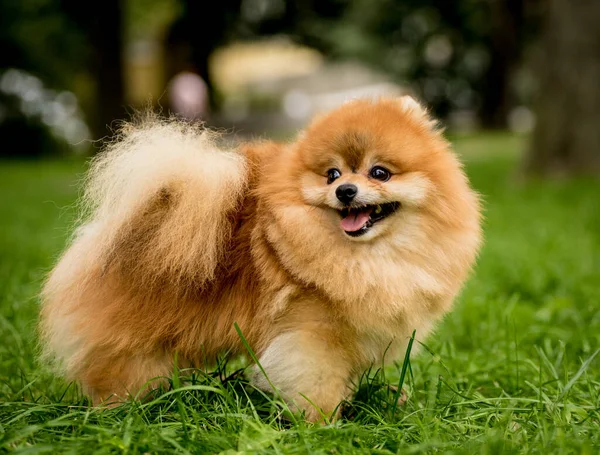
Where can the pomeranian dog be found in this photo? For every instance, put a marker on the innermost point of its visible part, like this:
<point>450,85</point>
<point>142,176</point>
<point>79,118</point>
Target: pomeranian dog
<point>327,252</point>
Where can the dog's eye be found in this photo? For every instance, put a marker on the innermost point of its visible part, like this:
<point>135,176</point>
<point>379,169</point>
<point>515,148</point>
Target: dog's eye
<point>333,174</point>
<point>380,173</point>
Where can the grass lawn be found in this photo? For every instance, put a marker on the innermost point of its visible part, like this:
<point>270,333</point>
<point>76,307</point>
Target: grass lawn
<point>513,369</point>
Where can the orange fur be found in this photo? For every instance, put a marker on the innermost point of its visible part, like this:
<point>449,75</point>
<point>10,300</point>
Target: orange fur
<point>182,240</point>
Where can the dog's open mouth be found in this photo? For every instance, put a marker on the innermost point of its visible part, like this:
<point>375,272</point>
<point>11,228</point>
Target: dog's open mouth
<point>357,221</point>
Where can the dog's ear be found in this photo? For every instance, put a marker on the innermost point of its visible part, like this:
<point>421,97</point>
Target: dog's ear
<point>411,106</point>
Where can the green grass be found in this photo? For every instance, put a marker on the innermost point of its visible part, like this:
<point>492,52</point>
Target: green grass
<point>511,370</point>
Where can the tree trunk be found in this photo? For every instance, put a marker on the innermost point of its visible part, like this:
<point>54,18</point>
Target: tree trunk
<point>566,139</point>
<point>206,31</point>
<point>506,23</point>
<point>106,38</point>
<point>101,22</point>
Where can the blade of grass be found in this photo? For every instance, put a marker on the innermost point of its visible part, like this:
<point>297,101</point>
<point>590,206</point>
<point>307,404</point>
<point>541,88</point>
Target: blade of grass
<point>577,375</point>
<point>403,372</point>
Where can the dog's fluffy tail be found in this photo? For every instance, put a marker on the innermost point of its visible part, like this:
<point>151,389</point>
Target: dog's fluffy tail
<point>158,210</point>
<point>160,200</point>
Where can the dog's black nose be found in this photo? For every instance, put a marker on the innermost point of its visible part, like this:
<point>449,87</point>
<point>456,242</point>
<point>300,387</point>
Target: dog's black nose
<point>346,192</point>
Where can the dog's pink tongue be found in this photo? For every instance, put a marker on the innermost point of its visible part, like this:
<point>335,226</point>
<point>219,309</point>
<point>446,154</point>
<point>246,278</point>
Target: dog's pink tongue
<point>355,220</point>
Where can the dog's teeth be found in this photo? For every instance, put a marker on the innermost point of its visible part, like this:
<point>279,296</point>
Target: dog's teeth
<point>378,210</point>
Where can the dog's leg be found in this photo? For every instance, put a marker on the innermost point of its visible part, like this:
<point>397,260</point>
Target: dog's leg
<point>310,369</point>
<point>110,381</point>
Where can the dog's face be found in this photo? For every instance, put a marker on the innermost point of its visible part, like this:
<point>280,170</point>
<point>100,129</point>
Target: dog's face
<point>370,204</point>
<point>367,164</point>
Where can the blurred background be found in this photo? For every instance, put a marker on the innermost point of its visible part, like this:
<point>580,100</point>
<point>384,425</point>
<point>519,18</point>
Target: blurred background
<point>70,69</point>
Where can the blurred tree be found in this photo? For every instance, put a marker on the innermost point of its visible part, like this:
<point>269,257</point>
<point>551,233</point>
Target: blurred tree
<point>65,44</point>
<point>308,22</point>
<point>459,55</point>
<point>36,38</point>
<point>566,138</point>
<point>197,33</point>
<point>505,45</point>
<point>101,22</point>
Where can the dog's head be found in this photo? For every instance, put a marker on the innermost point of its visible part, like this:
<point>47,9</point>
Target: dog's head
<point>366,162</point>
<point>366,186</point>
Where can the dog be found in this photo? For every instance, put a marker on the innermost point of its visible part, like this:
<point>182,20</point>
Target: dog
<point>326,252</point>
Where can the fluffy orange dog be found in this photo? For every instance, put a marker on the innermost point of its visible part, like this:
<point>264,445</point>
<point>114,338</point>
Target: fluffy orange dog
<point>326,252</point>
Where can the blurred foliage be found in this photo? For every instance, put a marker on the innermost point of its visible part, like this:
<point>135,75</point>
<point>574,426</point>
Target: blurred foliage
<point>35,36</point>
<point>464,55</point>
<point>458,56</point>
<point>23,136</point>
<point>442,49</point>
<point>149,16</point>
